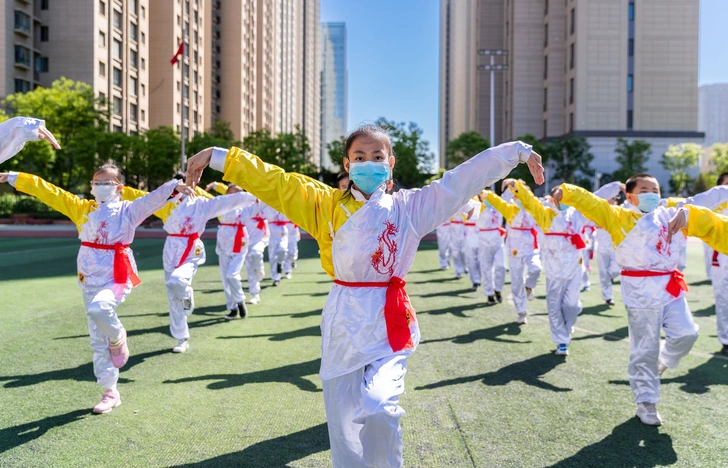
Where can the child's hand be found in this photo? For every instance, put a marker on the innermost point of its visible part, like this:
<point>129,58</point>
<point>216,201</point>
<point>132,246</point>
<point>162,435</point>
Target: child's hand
<point>44,134</point>
<point>185,189</point>
<point>3,177</point>
<point>678,222</point>
<point>196,164</point>
<point>557,196</point>
<point>536,167</point>
<point>210,186</point>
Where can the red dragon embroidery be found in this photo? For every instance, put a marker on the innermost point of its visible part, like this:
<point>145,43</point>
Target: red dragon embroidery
<point>663,247</point>
<point>187,227</point>
<point>102,235</point>
<point>381,261</point>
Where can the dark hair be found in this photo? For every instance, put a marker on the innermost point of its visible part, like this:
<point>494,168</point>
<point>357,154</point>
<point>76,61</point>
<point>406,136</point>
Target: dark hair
<point>179,176</point>
<point>110,166</point>
<point>721,178</point>
<point>632,181</point>
<point>554,190</point>
<point>341,176</point>
<point>371,130</point>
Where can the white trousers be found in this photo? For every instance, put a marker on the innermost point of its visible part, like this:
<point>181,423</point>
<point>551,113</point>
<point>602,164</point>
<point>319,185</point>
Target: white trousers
<point>255,267</point>
<point>586,256</point>
<point>443,246</point>
<point>564,306</point>
<point>457,248</point>
<point>708,259</point>
<point>104,326</point>
<point>525,271</point>
<point>493,268</point>
<point>720,291</point>
<point>230,266</point>
<point>645,347</point>
<point>608,270</point>
<point>277,251</point>
<point>362,412</point>
<point>473,262</point>
<point>291,253</point>
<point>179,288</point>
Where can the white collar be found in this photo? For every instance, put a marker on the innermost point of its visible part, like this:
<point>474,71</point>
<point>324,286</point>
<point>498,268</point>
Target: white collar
<point>375,196</point>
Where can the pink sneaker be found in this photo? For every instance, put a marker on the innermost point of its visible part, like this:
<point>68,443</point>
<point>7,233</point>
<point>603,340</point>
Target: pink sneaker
<point>119,352</point>
<point>109,400</point>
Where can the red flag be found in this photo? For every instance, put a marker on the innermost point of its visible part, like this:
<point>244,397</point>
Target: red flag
<point>180,52</point>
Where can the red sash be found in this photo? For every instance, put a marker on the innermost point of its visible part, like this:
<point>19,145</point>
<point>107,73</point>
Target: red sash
<point>398,311</point>
<point>575,239</point>
<point>500,229</point>
<point>123,270</point>
<point>456,222</point>
<point>469,224</point>
<point>262,225</point>
<point>715,261</point>
<point>191,238</point>
<point>533,232</point>
<point>674,286</point>
<point>239,235</point>
<point>278,223</point>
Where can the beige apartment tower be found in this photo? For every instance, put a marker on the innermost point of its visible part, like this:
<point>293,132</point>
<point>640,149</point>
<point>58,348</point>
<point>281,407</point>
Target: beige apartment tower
<point>593,68</point>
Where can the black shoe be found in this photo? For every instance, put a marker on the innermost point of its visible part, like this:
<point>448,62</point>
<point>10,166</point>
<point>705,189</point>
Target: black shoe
<point>232,315</point>
<point>609,302</point>
<point>475,286</point>
<point>491,300</point>
<point>279,268</point>
<point>498,297</point>
<point>724,351</point>
<point>293,264</point>
<point>242,309</point>
<point>276,282</point>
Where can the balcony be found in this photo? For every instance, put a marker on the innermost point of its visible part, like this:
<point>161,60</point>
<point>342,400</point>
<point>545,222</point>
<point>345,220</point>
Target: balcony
<point>22,23</point>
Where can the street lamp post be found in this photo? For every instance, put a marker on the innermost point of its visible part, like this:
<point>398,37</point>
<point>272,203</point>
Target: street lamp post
<point>492,68</point>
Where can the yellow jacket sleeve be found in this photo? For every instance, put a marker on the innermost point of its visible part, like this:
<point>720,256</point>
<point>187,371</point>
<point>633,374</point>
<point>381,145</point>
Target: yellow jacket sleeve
<point>709,227</point>
<point>508,211</point>
<point>64,202</point>
<point>221,188</point>
<point>200,192</point>
<point>544,216</point>
<point>617,221</point>
<point>672,202</point>
<point>131,194</point>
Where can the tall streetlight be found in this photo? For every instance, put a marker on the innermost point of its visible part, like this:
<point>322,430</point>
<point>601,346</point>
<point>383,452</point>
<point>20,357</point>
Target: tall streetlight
<point>492,68</point>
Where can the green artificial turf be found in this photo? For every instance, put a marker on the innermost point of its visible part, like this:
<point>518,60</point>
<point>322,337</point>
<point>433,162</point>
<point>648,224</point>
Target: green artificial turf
<point>480,390</point>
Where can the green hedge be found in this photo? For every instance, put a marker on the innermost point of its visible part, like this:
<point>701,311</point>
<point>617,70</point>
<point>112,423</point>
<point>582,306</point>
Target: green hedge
<point>11,204</point>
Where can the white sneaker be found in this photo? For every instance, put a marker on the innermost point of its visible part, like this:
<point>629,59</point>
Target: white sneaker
<point>647,413</point>
<point>529,294</point>
<point>254,299</point>
<point>287,276</point>
<point>522,320</point>
<point>661,368</point>
<point>182,346</point>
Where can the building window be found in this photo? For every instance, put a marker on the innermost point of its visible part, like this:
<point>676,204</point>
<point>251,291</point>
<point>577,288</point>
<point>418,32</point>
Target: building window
<point>630,117</point>
<point>102,39</point>
<point>630,48</point>
<point>186,113</point>
<point>44,34</point>
<point>197,17</point>
<point>631,11</point>
<point>22,86</point>
<point>187,7</point>
<point>179,20</point>
<point>41,64</point>
<point>22,55</point>
<point>43,4</point>
<point>102,7</point>
<point>545,99</point>
<point>102,69</point>
<point>133,57</point>
<point>144,38</point>
<point>133,83</point>
<point>102,97</point>
<point>144,63</point>
<point>178,108</point>
<point>144,114</point>
<point>117,106</point>
<point>546,35</point>
<point>546,8</point>
<point>572,21</point>
<point>195,95</point>
<point>571,121</point>
<point>144,90</point>
<point>133,6</point>
<point>571,91</point>
<point>630,83</point>
<point>22,22</point>
<point>195,117</point>
<point>196,57</point>
<point>118,50</point>
<point>196,37</point>
<point>545,67</point>
<point>571,56</point>
<point>144,15</point>
<point>133,112</point>
<point>117,19</point>
<point>133,31</point>
<point>117,77</point>
<point>118,128</point>
<point>179,86</point>
<point>195,77</point>
<point>186,92</point>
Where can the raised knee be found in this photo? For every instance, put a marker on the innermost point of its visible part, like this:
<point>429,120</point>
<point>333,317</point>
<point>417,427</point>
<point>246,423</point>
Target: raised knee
<point>98,310</point>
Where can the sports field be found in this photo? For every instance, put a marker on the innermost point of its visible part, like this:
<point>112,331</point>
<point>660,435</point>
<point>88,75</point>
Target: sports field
<point>480,390</point>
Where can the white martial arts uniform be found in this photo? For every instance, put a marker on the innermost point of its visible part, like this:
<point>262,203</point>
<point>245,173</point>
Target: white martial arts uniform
<point>708,259</point>
<point>103,227</point>
<point>231,255</point>
<point>457,242</point>
<point>278,243</point>
<point>719,275</point>
<point>522,246</point>
<point>443,245</point>
<point>588,234</point>
<point>491,249</point>
<point>470,244</point>
<point>654,303</point>
<point>367,245</point>
<point>294,235</point>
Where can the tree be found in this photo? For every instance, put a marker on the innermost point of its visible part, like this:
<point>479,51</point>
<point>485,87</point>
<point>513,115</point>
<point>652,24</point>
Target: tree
<point>465,146</point>
<point>415,161</point>
<point>703,182</point>
<point>76,118</point>
<point>569,160</point>
<point>719,157</point>
<point>336,150</point>
<point>632,158</point>
<point>156,158</point>
<point>290,151</point>
<point>521,171</point>
<point>677,160</point>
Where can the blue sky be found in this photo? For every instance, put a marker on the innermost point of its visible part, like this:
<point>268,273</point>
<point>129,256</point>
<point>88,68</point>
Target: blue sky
<point>393,57</point>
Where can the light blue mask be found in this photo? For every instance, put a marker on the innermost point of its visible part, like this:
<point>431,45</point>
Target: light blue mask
<point>519,204</point>
<point>369,175</point>
<point>487,204</point>
<point>564,207</point>
<point>648,202</point>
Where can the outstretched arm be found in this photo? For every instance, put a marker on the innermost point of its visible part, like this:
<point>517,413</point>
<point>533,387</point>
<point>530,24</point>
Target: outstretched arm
<point>218,206</point>
<point>507,210</point>
<point>15,132</point>
<point>155,202</point>
<point>709,199</point>
<point>544,216</point>
<point>702,223</point>
<point>610,190</point>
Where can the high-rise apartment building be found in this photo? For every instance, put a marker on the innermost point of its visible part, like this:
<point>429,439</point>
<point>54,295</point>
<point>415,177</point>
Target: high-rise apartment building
<point>598,69</point>
<point>100,42</point>
<point>713,113</point>
<point>333,88</point>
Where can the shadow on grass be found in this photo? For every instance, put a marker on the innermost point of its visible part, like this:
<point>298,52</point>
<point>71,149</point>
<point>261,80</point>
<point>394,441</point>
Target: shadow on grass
<point>283,336</point>
<point>457,311</point>
<point>598,311</point>
<point>488,334</point>
<point>15,436</point>
<point>706,312</point>
<point>458,292</point>
<point>277,452</point>
<point>630,444</point>
<point>317,294</point>
<point>705,282</point>
<point>292,373</point>
<point>616,335</point>
<point>82,373</point>
<point>529,372</point>
<point>699,379</point>
<point>310,313</point>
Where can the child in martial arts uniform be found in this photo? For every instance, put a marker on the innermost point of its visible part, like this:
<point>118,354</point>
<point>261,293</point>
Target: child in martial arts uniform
<point>106,268</point>
<point>294,235</point>
<point>588,234</point>
<point>470,244</point>
<point>443,244</point>
<point>491,249</point>
<point>652,286</point>
<point>185,219</point>
<point>522,243</point>
<point>563,263</point>
<point>606,256</point>
<point>278,244</point>
<point>368,240</point>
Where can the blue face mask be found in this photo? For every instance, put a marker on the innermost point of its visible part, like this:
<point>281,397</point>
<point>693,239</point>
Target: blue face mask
<point>369,175</point>
<point>487,204</point>
<point>564,207</point>
<point>519,204</point>
<point>648,202</point>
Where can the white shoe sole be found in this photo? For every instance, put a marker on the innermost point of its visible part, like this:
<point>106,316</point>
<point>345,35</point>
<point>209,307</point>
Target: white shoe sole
<point>561,353</point>
<point>180,349</point>
<point>118,403</point>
